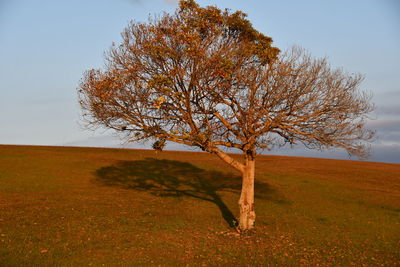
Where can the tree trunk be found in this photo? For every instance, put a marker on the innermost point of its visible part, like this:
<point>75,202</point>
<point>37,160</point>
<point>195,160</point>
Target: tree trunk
<point>247,215</point>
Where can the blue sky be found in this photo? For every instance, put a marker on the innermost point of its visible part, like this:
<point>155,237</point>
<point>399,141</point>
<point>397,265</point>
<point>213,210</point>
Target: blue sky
<point>46,45</point>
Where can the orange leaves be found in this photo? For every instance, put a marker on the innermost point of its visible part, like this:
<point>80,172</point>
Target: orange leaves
<point>160,83</point>
<point>159,101</point>
<point>160,79</point>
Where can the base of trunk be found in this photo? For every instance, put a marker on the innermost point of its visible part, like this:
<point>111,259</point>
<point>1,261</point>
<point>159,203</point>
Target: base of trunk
<point>247,217</point>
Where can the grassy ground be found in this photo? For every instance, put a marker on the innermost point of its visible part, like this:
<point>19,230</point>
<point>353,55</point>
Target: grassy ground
<point>101,207</point>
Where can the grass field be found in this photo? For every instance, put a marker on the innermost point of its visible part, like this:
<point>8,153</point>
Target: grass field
<point>64,206</point>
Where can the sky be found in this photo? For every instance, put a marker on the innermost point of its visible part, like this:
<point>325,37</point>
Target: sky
<point>46,45</point>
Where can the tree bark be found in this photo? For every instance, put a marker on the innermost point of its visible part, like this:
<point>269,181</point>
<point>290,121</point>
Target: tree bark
<point>247,215</point>
<point>226,158</point>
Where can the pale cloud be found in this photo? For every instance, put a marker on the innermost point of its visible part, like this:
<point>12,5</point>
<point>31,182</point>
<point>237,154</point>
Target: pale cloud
<point>388,109</point>
<point>171,2</point>
<point>385,124</point>
<point>386,153</point>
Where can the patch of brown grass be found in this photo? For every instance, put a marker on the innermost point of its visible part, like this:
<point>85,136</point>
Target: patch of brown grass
<point>87,206</point>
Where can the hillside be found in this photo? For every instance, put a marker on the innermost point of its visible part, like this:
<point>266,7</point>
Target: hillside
<point>70,206</point>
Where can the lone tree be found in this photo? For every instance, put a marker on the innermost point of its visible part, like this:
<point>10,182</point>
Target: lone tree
<point>205,77</point>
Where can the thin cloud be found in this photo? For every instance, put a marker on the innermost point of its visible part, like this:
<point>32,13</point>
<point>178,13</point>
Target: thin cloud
<point>389,110</point>
<point>172,2</point>
<point>169,2</point>
<point>387,131</point>
<point>386,153</point>
<point>385,124</point>
<point>133,2</point>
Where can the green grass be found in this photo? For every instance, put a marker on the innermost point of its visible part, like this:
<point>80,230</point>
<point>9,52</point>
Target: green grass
<point>109,207</point>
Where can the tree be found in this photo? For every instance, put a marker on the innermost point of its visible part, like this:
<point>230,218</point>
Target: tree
<point>205,77</point>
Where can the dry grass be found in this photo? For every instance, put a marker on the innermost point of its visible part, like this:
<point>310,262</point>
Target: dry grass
<point>86,206</point>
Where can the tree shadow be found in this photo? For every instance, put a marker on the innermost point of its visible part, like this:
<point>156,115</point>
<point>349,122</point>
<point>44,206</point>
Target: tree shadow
<point>170,178</point>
